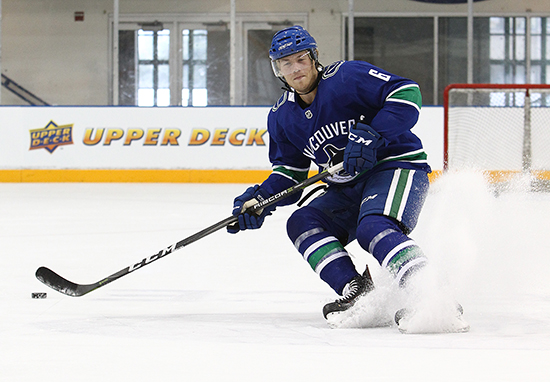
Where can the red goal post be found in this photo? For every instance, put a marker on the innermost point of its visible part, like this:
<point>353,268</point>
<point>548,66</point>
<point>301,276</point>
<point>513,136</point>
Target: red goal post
<point>499,129</point>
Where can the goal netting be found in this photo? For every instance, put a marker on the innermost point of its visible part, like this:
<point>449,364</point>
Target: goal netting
<point>500,129</point>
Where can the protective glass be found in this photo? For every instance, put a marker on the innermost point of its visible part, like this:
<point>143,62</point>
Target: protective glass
<point>291,64</point>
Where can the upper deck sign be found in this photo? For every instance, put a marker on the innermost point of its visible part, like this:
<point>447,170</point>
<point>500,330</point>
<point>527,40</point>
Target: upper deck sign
<point>51,137</point>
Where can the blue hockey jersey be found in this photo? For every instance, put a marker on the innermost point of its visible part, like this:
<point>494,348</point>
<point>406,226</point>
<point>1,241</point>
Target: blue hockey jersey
<point>348,92</point>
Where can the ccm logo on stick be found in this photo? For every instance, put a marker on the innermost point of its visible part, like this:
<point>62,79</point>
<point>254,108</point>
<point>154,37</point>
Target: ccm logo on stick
<point>152,258</point>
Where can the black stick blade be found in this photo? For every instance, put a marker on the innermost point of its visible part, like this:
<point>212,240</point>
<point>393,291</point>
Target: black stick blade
<point>60,284</point>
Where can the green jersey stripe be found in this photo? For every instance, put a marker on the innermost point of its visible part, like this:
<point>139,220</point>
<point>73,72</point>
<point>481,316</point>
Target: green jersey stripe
<point>417,156</point>
<point>410,93</point>
<point>320,253</point>
<point>399,192</point>
<point>403,257</point>
<point>298,176</point>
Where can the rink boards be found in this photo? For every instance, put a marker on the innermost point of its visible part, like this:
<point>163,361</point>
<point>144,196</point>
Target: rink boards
<point>133,144</point>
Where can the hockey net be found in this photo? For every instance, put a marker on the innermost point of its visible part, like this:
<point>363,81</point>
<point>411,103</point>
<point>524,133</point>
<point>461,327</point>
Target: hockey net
<point>499,129</point>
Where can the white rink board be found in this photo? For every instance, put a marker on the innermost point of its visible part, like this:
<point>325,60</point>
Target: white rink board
<point>154,138</point>
<point>149,151</point>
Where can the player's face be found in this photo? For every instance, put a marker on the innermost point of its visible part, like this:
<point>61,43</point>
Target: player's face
<point>299,71</point>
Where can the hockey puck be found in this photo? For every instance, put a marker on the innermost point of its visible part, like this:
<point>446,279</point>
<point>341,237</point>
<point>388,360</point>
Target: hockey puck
<point>39,295</point>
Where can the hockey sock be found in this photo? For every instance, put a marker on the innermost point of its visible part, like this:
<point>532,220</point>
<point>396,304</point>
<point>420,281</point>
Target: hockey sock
<point>321,249</point>
<point>384,239</point>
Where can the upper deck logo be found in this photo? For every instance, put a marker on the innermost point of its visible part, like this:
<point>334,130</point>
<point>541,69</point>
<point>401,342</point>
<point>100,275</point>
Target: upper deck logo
<point>51,137</point>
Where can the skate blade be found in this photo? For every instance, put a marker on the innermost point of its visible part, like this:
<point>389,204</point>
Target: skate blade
<point>357,321</point>
<point>416,326</point>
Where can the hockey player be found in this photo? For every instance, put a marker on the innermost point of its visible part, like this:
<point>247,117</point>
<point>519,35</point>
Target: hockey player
<point>362,115</point>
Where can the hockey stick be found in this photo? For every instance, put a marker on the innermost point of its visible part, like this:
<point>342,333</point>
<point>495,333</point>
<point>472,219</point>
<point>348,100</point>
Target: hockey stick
<point>60,284</point>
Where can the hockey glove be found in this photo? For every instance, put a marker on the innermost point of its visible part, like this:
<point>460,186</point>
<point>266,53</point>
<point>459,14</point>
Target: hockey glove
<point>360,152</point>
<point>252,220</point>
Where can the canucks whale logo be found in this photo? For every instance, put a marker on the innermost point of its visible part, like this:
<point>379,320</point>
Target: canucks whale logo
<point>51,137</point>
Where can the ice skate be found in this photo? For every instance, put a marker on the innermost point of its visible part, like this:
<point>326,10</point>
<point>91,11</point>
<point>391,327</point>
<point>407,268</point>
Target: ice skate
<point>350,311</point>
<point>431,320</point>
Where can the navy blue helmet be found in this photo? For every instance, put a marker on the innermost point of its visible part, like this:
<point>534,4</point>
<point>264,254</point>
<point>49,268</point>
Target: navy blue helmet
<point>289,41</point>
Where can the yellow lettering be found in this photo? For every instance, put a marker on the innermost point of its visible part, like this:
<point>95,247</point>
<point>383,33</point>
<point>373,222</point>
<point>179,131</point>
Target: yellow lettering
<point>219,137</point>
<point>88,140</point>
<point>152,137</point>
<point>133,135</point>
<point>233,138</point>
<point>112,135</point>
<point>256,136</point>
<point>199,137</point>
<point>171,137</point>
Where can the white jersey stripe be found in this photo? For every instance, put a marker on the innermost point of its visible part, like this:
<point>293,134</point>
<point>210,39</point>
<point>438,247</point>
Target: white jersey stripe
<point>409,265</point>
<point>324,262</point>
<point>406,193</point>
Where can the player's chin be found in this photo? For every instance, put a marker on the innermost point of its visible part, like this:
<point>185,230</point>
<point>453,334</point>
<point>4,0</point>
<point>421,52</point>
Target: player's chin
<point>301,87</point>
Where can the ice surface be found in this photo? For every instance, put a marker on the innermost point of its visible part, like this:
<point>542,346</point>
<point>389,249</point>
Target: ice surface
<point>246,307</point>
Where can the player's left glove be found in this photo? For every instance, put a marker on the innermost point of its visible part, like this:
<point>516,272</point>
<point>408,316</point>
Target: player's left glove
<point>252,220</point>
<point>360,152</point>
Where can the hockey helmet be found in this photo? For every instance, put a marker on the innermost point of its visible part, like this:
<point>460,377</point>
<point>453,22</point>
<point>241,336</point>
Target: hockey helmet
<point>289,41</point>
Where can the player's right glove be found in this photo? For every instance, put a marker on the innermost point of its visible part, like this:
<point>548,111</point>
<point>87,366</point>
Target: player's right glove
<point>360,152</point>
<point>252,220</point>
